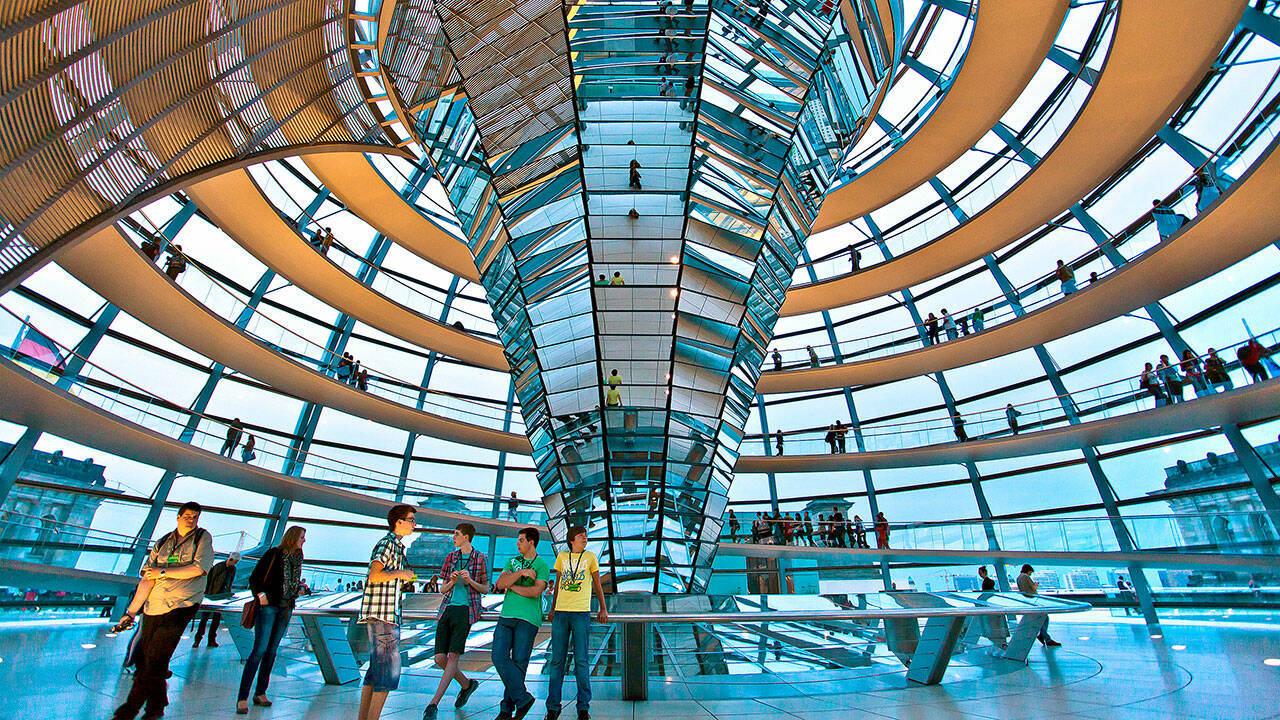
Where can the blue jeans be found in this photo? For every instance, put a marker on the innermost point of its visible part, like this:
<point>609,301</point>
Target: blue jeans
<point>564,625</point>
<point>1044,631</point>
<point>512,646</point>
<point>268,629</point>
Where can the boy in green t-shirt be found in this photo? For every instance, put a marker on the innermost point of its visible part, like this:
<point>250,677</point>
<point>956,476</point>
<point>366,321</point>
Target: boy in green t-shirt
<point>524,578</point>
<point>577,573</point>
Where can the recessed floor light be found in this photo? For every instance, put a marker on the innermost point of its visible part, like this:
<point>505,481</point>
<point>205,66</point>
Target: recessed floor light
<point>1272,662</point>
<point>88,646</point>
<point>1157,636</point>
<point>1178,647</point>
<point>1083,637</point>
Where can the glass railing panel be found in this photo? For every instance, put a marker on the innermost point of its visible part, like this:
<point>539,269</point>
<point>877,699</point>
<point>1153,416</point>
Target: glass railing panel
<point>1115,399</point>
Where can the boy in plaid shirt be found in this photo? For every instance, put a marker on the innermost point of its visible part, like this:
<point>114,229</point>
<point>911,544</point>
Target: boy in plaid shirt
<point>466,579</point>
<point>380,611</point>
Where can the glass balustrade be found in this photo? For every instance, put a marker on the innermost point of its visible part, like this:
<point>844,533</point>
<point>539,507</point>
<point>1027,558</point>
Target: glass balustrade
<point>1114,399</point>
<point>1239,149</point>
<point>879,143</point>
<point>1232,161</point>
<point>221,300</point>
<point>1220,532</point>
<point>47,541</point>
<point>997,179</point>
<point>421,299</point>
<point>109,392</point>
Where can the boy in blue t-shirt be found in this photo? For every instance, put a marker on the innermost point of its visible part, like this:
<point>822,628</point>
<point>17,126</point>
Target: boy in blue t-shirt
<point>466,578</point>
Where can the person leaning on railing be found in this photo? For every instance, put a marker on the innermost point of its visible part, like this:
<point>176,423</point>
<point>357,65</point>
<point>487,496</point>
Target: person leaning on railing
<point>577,575</point>
<point>524,579</point>
<point>1031,588</point>
<point>219,581</point>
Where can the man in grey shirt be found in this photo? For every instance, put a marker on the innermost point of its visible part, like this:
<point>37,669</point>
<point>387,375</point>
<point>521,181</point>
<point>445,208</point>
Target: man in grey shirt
<point>169,596</point>
<point>1031,588</point>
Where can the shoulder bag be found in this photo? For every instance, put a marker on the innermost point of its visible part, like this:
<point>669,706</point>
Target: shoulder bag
<point>249,613</point>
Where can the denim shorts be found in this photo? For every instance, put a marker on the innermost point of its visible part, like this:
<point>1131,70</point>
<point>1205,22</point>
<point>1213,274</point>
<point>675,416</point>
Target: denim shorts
<point>383,674</point>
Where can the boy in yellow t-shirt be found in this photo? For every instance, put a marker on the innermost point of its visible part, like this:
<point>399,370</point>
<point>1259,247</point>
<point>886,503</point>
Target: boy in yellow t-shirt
<point>577,574</point>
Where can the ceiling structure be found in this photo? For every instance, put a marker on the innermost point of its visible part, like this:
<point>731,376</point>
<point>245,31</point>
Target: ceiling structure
<point>636,183</point>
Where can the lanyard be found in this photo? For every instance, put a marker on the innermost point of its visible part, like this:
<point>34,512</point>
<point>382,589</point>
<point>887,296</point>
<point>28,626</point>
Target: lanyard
<point>573,569</point>
<point>174,551</point>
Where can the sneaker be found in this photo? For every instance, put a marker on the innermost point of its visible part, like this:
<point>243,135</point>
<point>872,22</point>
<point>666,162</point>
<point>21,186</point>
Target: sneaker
<point>465,693</point>
<point>213,643</point>
<point>1052,643</point>
<point>584,715</point>
<point>552,715</point>
<point>197,642</point>
<point>523,709</point>
<point>429,713</point>
<point>504,715</point>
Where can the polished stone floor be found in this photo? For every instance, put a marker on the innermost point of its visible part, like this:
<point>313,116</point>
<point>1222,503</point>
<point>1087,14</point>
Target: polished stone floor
<point>1104,670</point>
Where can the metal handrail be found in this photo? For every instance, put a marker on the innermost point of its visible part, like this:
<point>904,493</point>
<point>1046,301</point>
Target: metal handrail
<point>328,465</point>
<point>911,333</point>
<point>750,515</point>
<point>1035,605</point>
<point>1133,393</point>
<point>327,360</point>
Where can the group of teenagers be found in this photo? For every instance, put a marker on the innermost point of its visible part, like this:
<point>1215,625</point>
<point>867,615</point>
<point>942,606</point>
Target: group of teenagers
<point>464,580</point>
<point>180,570</point>
<point>1165,382</point>
<point>797,529</point>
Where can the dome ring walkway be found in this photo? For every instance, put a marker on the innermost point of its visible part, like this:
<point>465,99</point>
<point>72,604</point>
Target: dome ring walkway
<point>1238,224</point>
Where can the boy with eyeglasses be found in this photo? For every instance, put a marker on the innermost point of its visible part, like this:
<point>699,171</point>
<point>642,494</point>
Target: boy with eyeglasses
<point>380,610</point>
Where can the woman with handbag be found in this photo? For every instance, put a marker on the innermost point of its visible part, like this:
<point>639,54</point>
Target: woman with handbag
<point>275,583</point>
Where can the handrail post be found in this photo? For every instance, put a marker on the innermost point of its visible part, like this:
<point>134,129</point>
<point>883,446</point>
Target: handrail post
<point>634,645</point>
